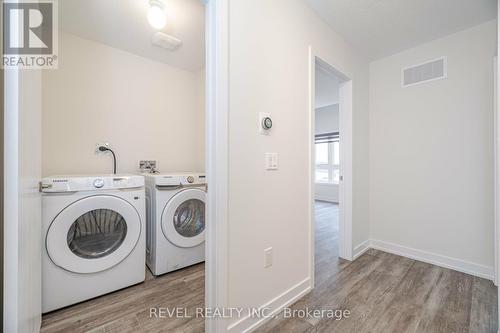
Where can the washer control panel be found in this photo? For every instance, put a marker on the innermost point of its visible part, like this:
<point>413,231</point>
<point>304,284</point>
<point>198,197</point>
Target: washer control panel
<point>193,179</point>
<point>57,184</point>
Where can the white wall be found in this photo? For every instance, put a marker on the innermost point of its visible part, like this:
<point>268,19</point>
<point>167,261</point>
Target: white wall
<point>144,109</point>
<point>270,208</point>
<point>327,120</point>
<point>431,150</point>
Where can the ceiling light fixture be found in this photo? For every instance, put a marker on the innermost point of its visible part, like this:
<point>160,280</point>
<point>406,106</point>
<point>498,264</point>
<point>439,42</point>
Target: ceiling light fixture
<point>156,14</point>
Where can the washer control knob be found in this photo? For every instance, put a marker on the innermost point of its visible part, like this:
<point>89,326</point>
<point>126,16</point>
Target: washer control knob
<point>190,179</point>
<point>98,183</point>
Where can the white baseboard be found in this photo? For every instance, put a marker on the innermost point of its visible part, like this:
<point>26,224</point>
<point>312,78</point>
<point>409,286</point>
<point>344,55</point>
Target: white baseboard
<point>435,259</point>
<point>273,307</point>
<point>360,249</point>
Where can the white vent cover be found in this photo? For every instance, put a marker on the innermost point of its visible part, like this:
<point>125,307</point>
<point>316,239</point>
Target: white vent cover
<point>429,71</point>
<point>166,41</point>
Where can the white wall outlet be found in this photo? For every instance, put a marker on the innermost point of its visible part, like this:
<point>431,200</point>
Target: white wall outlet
<point>262,125</point>
<point>148,166</point>
<point>97,151</point>
<point>268,257</point>
<point>272,161</point>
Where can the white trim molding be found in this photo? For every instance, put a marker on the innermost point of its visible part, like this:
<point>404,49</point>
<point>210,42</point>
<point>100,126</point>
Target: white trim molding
<point>360,249</point>
<point>459,265</point>
<point>497,139</point>
<point>496,174</point>
<point>11,283</point>
<point>345,186</point>
<point>312,162</point>
<point>272,308</point>
<point>217,165</point>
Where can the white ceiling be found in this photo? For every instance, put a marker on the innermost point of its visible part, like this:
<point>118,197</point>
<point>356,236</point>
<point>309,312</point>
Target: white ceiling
<point>383,27</point>
<point>326,88</point>
<point>122,24</point>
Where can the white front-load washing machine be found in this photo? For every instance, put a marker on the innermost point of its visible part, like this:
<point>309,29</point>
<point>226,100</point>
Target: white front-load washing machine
<point>94,237</point>
<point>175,210</point>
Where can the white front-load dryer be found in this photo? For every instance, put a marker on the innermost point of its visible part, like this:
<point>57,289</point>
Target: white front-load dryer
<point>175,221</point>
<point>93,235</point>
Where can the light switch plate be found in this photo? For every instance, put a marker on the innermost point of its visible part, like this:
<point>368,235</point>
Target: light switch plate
<point>272,161</point>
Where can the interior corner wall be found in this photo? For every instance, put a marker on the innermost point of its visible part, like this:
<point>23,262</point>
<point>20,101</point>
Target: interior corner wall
<point>143,108</point>
<point>269,72</point>
<point>431,150</point>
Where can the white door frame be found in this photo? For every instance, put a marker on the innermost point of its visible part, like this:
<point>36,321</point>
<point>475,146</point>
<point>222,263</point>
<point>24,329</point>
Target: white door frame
<point>345,128</point>
<point>497,160</point>
<point>22,201</point>
<point>496,145</point>
<point>11,253</point>
<point>217,162</point>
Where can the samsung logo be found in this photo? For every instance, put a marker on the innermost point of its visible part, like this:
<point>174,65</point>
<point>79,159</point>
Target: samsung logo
<point>60,181</point>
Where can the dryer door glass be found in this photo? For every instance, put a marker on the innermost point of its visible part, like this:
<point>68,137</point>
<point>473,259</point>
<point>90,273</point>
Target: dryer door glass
<point>189,218</point>
<point>97,233</point>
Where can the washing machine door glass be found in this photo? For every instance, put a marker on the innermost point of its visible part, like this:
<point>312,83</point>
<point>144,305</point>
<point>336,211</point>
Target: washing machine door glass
<point>97,233</point>
<point>189,218</point>
<point>93,234</point>
<point>183,218</point>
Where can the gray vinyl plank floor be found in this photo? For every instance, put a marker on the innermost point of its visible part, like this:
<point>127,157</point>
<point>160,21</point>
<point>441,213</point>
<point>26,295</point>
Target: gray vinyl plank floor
<point>382,291</point>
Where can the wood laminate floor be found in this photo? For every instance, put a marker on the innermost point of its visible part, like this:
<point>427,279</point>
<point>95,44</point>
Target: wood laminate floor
<point>128,310</point>
<point>384,293</point>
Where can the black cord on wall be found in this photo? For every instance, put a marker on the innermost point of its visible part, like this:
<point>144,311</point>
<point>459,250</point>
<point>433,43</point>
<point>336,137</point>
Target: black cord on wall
<point>103,149</point>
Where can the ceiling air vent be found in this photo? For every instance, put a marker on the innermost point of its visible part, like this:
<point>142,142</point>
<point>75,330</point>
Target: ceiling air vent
<point>429,71</point>
<point>166,41</point>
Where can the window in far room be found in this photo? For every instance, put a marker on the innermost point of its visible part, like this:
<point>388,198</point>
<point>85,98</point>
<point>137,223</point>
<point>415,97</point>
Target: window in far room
<point>327,158</point>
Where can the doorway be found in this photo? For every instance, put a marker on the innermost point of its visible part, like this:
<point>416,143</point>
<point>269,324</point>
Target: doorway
<point>86,55</point>
<point>142,99</point>
<point>327,171</point>
<point>331,166</point>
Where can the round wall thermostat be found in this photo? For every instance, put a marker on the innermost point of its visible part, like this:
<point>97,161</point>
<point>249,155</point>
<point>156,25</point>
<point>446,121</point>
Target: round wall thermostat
<point>267,123</point>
